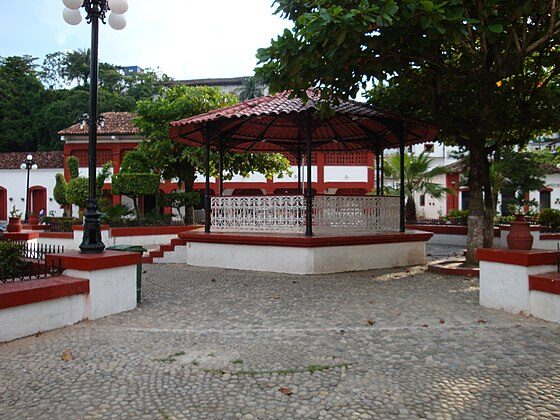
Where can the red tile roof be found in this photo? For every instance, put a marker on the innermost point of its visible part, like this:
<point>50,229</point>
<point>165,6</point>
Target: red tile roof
<point>272,123</point>
<point>44,160</point>
<point>116,123</point>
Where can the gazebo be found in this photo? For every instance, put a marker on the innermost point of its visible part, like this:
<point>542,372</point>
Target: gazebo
<point>302,233</point>
<point>280,123</point>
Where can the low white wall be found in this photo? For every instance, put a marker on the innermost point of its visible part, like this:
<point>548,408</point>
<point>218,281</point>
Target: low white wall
<point>295,260</point>
<point>144,240</point>
<point>67,243</point>
<point>545,305</point>
<point>112,290</point>
<point>506,287</point>
<point>24,320</point>
<point>443,239</point>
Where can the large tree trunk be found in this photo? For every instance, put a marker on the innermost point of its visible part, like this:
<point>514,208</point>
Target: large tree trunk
<point>410,210</point>
<point>475,238</point>
<point>489,206</point>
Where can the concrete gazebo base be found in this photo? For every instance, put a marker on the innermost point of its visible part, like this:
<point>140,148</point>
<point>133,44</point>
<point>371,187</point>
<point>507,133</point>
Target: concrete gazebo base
<point>298,254</point>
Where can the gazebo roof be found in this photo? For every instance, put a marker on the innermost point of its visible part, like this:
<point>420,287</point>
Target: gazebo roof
<point>277,122</point>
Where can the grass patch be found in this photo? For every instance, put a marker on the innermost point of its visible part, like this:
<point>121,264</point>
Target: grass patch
<point>195,363</point>
<point>172,357</point>
<point>237,362</point>
<point>164,414</point>
<point>211,354</point>
<point>311,369</point>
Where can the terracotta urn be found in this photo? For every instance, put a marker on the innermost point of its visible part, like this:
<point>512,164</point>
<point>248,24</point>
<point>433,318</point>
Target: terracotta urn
<point>14,224</point>
<point>519,236</point>
<point>33,219</point>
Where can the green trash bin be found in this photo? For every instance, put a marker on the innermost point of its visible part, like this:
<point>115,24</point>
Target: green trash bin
<point>133,248</point>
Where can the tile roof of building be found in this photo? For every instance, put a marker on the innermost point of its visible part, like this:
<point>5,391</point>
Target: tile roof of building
<point>44,160</point>
<point>115,123</point>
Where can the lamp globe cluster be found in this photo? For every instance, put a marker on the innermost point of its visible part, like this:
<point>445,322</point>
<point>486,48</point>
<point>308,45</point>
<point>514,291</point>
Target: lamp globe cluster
<point>73,16</point>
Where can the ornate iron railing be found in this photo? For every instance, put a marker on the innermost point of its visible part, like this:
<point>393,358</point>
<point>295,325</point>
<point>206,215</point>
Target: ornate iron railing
<point>271,213</point>
<point>31,264</point>
<point>333,213</point>
<point>287,214</point>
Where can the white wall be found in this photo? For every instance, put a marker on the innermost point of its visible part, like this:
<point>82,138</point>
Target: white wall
<point>346,173</point>
<point>14,180</point>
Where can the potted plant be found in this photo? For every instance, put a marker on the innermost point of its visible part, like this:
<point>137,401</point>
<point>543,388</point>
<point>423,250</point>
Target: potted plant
<point>33,219</point>
<point>14,221</point>
<point>519,236</point>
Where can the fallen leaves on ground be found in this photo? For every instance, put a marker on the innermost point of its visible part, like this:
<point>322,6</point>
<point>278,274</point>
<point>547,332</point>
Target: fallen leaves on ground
<point>370,322</point>
<point>67,356</point>
<point>481,321</point>
<point>442,321</point>
<point>275,297</point>
<point>425,325</point>
<point>286,391</point>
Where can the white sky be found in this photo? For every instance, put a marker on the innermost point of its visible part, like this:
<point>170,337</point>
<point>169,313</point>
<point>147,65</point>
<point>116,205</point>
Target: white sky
<point>186,39</point>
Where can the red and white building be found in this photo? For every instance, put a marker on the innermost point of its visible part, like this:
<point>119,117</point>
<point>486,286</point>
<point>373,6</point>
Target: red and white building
<point>332,173</point>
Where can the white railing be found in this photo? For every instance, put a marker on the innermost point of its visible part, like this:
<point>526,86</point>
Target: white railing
<point>269,213</point>
<point>331,214</point>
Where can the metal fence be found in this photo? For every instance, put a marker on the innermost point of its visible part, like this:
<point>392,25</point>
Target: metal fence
<point>31,264</point>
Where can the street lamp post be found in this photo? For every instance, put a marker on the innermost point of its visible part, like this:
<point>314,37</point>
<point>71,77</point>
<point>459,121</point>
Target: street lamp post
<point>28,164</point>
<point>96,11</point>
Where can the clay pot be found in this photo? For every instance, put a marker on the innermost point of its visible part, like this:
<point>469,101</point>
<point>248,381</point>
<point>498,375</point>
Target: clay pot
<point>14,224</point>
<point>519,236</point>
<point>33,219</point>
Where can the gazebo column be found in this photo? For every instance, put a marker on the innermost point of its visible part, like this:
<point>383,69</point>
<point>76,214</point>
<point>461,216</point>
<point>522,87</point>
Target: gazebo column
<point>377,170</point>
<point>207,219</point>
<point>309,201</point>
<point>400,135</point>
<point>221,165</point>
<point>382,171</point>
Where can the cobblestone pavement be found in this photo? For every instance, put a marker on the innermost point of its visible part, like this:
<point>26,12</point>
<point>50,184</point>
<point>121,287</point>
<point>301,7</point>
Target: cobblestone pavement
<point>212,343</point>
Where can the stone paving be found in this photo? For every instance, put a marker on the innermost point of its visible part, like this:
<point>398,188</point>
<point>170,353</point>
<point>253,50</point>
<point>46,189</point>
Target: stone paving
<point>213,343</point>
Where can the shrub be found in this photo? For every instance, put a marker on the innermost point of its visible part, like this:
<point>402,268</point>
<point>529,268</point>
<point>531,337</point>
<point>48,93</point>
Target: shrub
<point>458,217</point>
<point>60,189</point>
<point>77,191</point>
<point>177,200</point>
<point>136,185</point>
<point>73,166</point>
<point>549,219</point>
<point>11,259</point>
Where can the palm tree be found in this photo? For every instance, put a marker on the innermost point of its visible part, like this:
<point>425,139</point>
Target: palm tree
<point>417,178</point>
<point>252,88</point>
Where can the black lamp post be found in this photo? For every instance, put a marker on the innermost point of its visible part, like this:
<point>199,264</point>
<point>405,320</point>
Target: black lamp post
<point>96,11</point>
<point>28,164</point>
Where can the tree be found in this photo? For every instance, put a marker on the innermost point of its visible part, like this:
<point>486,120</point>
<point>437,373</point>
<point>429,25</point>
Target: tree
<point>175,160</point>
<point>179,200</point>
<point>252,88</point>
<point>20,99</point>
<point>418,178</point>
<point>485,71</point>
<point>519,173</point>
<point>135,178</point>
<point>60,189</point>
<point>77,191</point>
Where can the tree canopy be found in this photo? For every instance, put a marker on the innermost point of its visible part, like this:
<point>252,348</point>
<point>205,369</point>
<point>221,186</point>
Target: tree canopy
<point>37,101</point>
<point>484,71</point>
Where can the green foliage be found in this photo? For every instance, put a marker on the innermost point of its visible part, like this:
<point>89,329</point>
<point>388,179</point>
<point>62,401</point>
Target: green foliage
<point>78,188</point>
<point>136,161</point>
<point>136,185</point>
<point>15,212</point>
<point>520,172</point>
<point>549,219</point>
<point>73,165</point>
<point>115,214</point>
<point>177,200</point>
<point>252,88</point>
<point>60,190</point>
<point>11,259</point>
<point>458,217</point>
<point>77,191</point>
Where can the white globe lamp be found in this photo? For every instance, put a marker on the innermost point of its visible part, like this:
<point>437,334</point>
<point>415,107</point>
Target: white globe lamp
<point>116,21</point>
<point>71,17</point>
<point>118,6</point>
<point>73,4</point>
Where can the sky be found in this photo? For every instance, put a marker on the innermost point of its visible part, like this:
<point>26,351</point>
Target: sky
<point>186,39</point>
